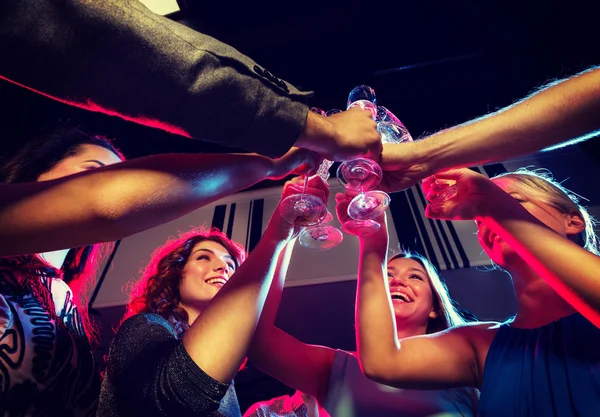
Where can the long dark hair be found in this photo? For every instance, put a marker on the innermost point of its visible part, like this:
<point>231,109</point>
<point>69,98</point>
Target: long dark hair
<point>447,313</point>
<point>79,269</point>
<point>157,291</point>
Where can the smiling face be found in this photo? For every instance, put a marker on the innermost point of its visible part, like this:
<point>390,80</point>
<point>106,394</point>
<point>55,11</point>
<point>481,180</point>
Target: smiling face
<point>410,289</point>
<point>85,157</point>
<point>207,269</point>
<point>495,247</point>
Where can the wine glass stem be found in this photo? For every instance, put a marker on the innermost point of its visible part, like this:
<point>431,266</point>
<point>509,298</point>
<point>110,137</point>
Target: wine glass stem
<point>305,186</point>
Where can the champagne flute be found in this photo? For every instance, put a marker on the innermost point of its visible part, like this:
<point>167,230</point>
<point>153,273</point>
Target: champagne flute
<point>322,236</point>
<point>362,175</point>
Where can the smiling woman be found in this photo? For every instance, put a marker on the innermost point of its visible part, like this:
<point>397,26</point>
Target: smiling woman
<point>421,305</point>
<point>184,275</point>
<point>191,320</point>
<point>414,281</point>
<point>544,360</point>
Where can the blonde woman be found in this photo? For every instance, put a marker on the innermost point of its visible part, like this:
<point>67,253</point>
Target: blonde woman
<point>542,362</point>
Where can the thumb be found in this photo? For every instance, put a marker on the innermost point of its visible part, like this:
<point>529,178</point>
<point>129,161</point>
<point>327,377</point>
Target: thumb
<point>450,174</point>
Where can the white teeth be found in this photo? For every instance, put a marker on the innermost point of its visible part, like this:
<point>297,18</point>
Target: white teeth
<point>401,296</point>
<point>221,281</point>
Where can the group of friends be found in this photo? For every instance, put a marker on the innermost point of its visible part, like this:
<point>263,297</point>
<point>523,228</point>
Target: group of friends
<point>203,305</point>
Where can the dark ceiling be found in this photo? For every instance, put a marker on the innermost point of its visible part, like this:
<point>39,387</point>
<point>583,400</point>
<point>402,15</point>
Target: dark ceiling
<point>433,63</point>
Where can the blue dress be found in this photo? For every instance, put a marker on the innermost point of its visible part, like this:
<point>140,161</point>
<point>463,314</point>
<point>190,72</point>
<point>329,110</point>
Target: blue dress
<point>553,370</point>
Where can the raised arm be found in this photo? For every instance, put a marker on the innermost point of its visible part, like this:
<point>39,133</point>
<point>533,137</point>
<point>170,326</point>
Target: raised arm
<point>299,365</point>
<point>119,58</point>
<point>434,361</point>
<point>568,268</point>
<point>117,201</point>
<point>557,115</point>
<point>219,339</point>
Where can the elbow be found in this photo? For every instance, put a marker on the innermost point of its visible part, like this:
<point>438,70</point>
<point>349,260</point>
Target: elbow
<point>373,368</point>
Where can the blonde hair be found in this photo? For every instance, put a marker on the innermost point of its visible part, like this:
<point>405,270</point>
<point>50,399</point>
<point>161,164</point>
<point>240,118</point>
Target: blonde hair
<point>540,186</point>
<point>445,308</point>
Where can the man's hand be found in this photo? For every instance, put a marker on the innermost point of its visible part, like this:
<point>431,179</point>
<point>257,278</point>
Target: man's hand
<point>342,136</point>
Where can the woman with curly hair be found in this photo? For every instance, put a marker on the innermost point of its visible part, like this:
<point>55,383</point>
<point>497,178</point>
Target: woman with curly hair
<point>191,319</point>
<point>65,192</point>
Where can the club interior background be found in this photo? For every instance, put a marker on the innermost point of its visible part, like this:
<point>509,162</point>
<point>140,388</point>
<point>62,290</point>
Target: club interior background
<point>434,64</point>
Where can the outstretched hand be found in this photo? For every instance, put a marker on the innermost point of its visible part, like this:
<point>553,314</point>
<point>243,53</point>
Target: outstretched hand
<point>278,225</point>
<point>342,201</point>
<point>343,136</point>
<point>458,194</point>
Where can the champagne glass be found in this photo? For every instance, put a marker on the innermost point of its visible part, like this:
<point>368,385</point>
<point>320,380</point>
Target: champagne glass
<point>362,175</point>
<point>322,236</point>
<point>304,209</point>
<point>390,128</point>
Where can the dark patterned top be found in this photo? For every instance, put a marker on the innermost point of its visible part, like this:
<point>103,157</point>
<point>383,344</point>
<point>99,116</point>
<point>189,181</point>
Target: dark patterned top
<point>45,369</point>
<point>149,373</point>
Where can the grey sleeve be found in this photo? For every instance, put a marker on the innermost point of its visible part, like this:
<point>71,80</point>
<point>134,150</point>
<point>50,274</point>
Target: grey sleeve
<point>119,58</point>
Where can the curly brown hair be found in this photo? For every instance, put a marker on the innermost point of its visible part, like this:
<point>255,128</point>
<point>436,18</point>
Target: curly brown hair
<point>157,291</point>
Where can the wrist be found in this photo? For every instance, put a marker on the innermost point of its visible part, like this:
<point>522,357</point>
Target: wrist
<point>317,133</point>
<point>271,170</point>
<point>278,233</point>
<point>433,153</point>
<point>497,204</point>
<point>374,243</point>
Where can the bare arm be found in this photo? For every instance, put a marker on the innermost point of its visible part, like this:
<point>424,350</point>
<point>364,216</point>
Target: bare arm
<point>568,268</point>
<point>299,365</point>
<point>219,338</point>
<point>114,202</point>
<point>441,360</point>
<point>561,114</point>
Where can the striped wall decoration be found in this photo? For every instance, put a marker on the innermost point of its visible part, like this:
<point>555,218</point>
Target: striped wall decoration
<point>246,227</point>
<point>447,244</point>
